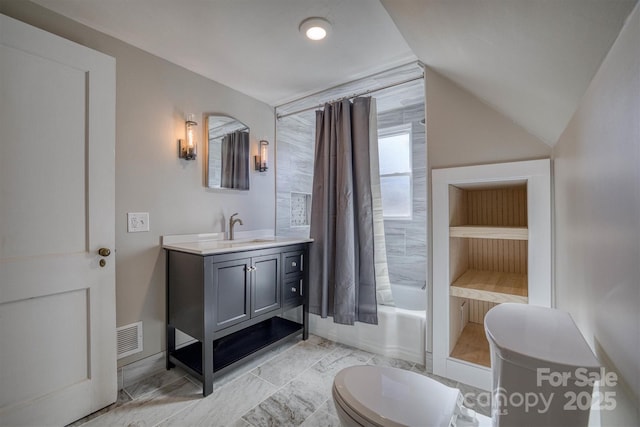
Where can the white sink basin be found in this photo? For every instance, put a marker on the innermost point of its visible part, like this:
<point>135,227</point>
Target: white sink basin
<point>212,246</point>
<point>216,244</point>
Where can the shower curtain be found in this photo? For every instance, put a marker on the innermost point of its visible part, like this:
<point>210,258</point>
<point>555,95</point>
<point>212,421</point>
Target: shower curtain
<point>235,165</point>
<point>343,256</point>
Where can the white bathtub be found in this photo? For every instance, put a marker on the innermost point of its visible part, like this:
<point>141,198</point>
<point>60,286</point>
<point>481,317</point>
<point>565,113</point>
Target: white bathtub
<point>409,297</point>
<point>400,332</point>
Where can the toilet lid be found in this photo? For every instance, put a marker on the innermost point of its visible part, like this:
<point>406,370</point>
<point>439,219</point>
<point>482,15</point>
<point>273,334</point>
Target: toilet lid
<point>528,334</point>
<point>395,397</point>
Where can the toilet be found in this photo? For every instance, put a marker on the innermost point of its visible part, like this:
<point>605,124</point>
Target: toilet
<point>530,347</point>
<point>383,396</point>
<point>540,363</point>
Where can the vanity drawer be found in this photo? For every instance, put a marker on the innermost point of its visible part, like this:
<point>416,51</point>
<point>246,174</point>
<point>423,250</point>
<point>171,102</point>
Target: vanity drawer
<point>293,262</point>
<point>292,292</point>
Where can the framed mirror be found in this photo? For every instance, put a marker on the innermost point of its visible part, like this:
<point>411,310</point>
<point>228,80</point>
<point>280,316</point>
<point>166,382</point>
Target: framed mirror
<point>228,153</point>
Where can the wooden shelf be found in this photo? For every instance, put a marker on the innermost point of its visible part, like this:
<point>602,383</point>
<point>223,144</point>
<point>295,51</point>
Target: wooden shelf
<point>489,232</point>
<point>491,286</point>
<point>472,346</point>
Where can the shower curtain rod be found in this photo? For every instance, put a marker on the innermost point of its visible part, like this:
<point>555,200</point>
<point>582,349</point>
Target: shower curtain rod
<point>355,95</point>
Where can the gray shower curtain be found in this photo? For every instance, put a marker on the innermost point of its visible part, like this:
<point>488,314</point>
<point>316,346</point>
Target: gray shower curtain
<point>343,280</point>
<point>235,163</point>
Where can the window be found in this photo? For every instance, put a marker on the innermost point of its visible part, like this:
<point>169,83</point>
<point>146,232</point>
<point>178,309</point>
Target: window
<point>394,148</point>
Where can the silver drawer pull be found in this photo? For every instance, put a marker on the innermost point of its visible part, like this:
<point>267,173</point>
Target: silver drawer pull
<point>294,290</point>
<point>294,264</point>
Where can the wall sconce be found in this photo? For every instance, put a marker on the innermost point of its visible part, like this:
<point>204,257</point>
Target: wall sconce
<point>262,159</point>
<point>189,147</point>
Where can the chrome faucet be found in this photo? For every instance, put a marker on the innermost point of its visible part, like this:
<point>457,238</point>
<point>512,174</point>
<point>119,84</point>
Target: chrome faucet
<point>232,222</point>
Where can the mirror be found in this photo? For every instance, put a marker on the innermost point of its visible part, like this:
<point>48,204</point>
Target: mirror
<point>228,151</point>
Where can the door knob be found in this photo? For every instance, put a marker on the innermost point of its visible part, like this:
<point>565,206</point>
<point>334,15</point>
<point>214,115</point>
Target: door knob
<point>104,252</point>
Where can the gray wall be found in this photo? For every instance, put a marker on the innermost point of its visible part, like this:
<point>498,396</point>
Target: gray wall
<point>597,220</point>
<point>152,98</point>
<point>463,130</point>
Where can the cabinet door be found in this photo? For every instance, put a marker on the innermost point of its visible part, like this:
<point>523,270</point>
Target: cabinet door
<point>266,284</point>
<point>231,292</point>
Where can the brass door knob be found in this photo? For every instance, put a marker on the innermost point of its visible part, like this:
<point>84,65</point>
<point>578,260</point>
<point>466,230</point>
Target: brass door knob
<point>104,252</point>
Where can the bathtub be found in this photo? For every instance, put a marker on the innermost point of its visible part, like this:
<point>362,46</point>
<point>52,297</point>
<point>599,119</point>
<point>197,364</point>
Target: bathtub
<point>400,332</point>
<point>409,297</point>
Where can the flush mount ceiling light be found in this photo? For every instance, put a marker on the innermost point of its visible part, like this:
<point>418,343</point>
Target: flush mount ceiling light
<point>315,28</point>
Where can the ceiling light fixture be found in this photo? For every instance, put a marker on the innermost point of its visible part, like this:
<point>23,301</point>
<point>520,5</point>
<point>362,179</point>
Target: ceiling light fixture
<point>315,28</point>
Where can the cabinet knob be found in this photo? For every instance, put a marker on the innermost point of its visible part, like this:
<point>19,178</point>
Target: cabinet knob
<point>294,264</point>
<point>294,290</point>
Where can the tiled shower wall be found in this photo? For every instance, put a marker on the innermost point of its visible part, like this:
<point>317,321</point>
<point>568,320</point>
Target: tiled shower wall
<point>406,240</point>
<point>294,171</point>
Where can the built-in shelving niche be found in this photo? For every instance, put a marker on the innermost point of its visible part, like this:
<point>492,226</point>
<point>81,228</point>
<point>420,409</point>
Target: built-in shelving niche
<point>488,256</point>
<point>485,218</point>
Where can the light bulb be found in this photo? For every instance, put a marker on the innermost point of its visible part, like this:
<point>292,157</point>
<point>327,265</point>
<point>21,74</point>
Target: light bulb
<point>316,33</point>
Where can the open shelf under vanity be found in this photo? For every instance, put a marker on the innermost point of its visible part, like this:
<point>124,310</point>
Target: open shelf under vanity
<point>237,346</point>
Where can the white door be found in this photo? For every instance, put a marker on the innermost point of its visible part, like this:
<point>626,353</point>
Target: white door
<point>57,304</point>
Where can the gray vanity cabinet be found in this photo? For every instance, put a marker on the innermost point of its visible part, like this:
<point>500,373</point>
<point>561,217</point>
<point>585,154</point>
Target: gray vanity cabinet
<point>265,289</point>
<point>231,305</point>
<point>231,291</point>
<point>293,278</point>
<point>245,288</point>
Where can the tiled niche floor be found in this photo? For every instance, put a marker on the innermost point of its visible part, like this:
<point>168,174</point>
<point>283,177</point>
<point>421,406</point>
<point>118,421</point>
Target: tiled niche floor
<point>288,386</point>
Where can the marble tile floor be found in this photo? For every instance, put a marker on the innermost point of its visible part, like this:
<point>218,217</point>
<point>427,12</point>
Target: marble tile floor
<point>288,386</point>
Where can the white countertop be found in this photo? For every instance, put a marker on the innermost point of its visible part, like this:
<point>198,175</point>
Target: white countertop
<point>214,243</point>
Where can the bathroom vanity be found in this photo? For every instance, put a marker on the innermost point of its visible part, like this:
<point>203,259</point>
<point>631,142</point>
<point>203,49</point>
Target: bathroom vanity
<point>230,297</point>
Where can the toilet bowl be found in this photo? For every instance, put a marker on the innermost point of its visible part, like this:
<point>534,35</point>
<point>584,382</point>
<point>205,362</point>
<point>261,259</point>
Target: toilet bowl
<point>541,365</point>
<point>539,359</point>
<point>384,396</point>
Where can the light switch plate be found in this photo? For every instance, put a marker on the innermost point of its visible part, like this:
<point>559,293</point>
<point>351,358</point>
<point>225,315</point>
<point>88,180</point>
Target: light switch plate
<point>137,221</point>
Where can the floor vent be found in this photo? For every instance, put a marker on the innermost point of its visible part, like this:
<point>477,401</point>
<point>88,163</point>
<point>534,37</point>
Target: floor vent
<point>129,339</point>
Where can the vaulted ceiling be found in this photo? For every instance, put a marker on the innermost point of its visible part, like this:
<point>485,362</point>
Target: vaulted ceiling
<point>532,60</point>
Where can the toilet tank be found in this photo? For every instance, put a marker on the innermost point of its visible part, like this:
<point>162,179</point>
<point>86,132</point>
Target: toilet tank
<point>543,369</point>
